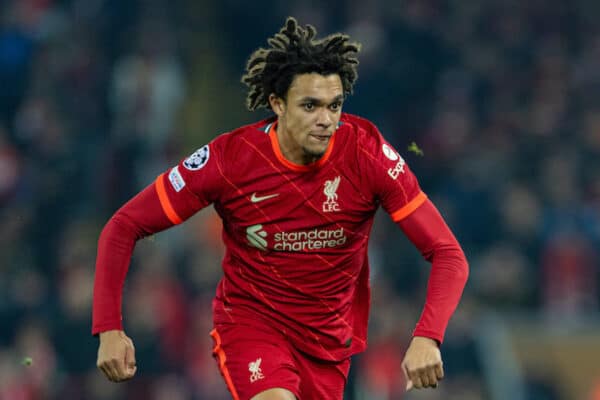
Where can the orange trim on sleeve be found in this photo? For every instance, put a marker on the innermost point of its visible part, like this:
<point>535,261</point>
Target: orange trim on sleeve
<point>409,208</point>
<point>165,202</point>
<point>221,358</point>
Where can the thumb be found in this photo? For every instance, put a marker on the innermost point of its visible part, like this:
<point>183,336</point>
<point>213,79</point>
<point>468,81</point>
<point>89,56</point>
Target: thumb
<point>409,384</point>
<point>130,363</point>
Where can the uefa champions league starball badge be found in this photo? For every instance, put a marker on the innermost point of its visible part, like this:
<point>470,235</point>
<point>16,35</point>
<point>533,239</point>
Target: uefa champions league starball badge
<point>198,159</point>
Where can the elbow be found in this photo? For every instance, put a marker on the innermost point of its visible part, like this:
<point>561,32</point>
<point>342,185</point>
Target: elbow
<point>118,228</point>
<point>464,271</point>
<point>455,260</point>
<point>127,223</point>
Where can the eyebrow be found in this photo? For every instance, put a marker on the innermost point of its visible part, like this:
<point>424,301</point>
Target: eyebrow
<point>309,99</point>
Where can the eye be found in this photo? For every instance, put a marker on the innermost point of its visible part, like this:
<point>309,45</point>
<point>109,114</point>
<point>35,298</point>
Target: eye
<point>336,106</point>
<point>309,106</point>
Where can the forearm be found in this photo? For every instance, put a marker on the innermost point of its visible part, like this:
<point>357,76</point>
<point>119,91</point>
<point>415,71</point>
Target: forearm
<point>449,272</point>
<point>115,247</point>
<point>428,231</point>
<point>140,217</point>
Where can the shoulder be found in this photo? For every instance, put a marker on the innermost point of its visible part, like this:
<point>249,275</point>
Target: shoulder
<point>366,134</point>
<point>244,133</point>
<point>357,122</point>
<point>237,144</point>
<point>361,127</point>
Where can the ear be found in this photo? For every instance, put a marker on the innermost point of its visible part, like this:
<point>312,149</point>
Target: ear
<point>277,104</point>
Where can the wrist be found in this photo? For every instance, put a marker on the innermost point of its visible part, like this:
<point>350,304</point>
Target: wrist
<point>425,339</point>
<point>114,332</point>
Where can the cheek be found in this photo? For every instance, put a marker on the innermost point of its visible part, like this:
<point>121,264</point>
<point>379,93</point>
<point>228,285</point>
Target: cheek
<point>307,120</point>
<point>298,122</point>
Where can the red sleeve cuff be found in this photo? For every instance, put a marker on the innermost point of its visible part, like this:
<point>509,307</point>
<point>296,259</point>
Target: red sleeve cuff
<point>429,334</point>
<point>108,326</point>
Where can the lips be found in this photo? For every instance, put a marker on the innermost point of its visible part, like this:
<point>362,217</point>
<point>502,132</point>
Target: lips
<point>320,137</point>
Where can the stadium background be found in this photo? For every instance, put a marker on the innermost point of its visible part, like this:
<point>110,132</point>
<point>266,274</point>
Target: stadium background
<point>97,97</point>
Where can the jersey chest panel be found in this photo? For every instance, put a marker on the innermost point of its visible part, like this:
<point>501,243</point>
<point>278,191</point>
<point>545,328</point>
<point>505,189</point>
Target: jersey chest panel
<point>285,210</point>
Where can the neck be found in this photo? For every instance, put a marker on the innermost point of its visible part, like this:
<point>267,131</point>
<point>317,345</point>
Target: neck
<point>290,150</point>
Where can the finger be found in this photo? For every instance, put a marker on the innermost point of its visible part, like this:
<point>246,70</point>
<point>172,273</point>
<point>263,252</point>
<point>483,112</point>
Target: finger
<point>431,377</point>
<point>118,365</point>
<point>409,384</point>
<point>104,372</point>
<point>416,379</point>
<point>439,371</point>
<point>129,374</point>
<point>114,372</point>
<point>417,384</point>
<point>424,377</point>
<point>108,371</point>
<point>130,343</point>
<point>130,359</point>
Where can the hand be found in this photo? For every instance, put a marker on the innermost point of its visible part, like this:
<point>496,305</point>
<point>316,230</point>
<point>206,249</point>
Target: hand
<point>422,364</point>
<point>116,356</point>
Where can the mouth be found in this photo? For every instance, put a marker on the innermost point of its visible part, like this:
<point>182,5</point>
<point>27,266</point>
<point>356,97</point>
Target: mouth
<point>320,137</point>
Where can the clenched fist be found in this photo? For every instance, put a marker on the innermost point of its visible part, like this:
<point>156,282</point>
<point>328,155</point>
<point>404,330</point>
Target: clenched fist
<point>422,364</point>
<point>116,356</point>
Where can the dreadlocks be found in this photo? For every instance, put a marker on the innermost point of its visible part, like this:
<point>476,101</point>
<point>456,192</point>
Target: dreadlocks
<point>294,50</point>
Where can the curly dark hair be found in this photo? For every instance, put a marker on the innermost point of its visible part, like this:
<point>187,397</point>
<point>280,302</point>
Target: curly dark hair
<point>294,50</point>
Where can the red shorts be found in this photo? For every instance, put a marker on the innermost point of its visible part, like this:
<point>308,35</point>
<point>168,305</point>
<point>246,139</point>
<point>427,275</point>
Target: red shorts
<point>253,359</point>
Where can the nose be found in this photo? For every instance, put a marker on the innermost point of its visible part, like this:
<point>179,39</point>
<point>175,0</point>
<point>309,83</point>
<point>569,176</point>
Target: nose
<point>325,118</point>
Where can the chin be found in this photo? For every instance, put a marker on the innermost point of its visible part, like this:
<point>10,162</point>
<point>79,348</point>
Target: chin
<point>316,153</point>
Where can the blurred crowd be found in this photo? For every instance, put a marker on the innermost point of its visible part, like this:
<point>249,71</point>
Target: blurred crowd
<point>98,97</point>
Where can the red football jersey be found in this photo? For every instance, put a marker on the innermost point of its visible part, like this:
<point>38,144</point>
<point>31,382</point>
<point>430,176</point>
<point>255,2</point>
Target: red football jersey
<point>296,236</point>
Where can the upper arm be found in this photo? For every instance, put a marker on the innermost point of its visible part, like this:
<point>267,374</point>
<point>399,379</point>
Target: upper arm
<point>427,230</point>
<point>194,183</point>
<point>388,176</point>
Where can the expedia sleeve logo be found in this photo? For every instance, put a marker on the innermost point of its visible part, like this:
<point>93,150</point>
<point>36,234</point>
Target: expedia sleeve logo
<point>398,168</point>
<point>198,159</point>
<point>393,155</point>
<point>389,152</point>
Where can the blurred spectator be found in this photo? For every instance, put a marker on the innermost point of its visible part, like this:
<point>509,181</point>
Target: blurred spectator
<point>380,373</point>
<point>10,168</point>
<point>146,94</point>
<point>569,274</point>
<point>595,393</point>
<point>503,278</point>
<point>29,369</point>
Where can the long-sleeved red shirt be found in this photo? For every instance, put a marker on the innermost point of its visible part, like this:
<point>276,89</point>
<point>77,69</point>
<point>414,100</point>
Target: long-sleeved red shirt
<point>296,235</point>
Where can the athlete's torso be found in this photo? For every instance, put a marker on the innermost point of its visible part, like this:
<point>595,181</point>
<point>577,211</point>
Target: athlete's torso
<point>297,236</point>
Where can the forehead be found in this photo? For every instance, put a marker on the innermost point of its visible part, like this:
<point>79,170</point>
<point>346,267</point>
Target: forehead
<point>316,86</point>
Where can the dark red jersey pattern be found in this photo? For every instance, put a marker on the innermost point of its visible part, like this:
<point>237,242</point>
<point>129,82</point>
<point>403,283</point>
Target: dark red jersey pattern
<point>296,235</point>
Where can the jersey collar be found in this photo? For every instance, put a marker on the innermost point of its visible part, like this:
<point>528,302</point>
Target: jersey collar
<point>271,130</point>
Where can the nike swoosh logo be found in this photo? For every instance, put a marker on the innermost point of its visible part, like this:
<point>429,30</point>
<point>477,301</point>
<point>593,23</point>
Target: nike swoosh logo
<point>255,199</point>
